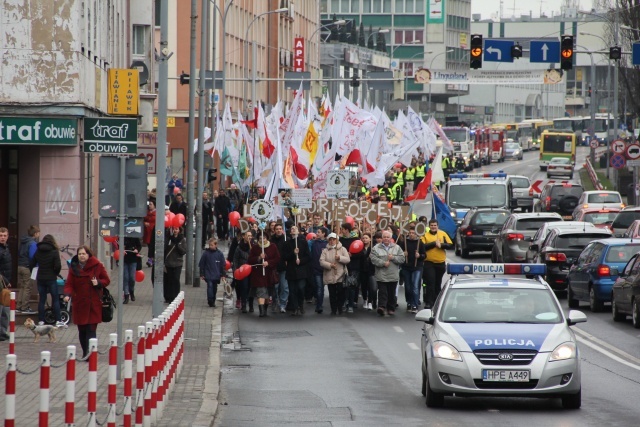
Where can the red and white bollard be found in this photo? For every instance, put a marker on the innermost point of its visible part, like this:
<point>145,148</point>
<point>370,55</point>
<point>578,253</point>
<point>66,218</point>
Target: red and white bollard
<point>128,374</point>
<point>155,370</point>
<point>45,368</point>
<point>148,379</point>
<point>92,382</point>
<point>140,377</point>
<point>112,379</point>
<point>70,389</point>
<point>12,324</point>
<point>162,373</point>
<point>10,391</point>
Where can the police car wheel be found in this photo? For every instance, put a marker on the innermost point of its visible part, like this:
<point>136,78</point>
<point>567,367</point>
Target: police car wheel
<point>572,401</point>
<point>434,400</point>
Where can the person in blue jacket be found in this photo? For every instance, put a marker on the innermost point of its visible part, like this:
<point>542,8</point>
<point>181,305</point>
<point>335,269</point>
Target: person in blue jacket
<point>211,267</point>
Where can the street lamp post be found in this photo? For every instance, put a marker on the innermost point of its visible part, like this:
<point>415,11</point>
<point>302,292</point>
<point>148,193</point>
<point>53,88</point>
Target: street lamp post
<point>224,47</point>
<point>430,68</point>
<point>337,23</point>
<point>384,31</point>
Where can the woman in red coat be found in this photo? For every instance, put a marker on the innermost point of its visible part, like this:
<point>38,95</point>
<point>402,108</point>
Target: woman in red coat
<point>149,234</point>
<point>263,271</point>
<point>87,276</point>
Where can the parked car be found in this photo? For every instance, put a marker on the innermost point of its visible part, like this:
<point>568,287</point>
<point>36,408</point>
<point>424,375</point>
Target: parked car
<point>602,218</point>
<point>625,299</point>
<point>595,271</point>
<point>559,197</point>
<point>560,166</point>
<point>519,187</point>
<point>633,231</point>
<point>478,230</point>
<point>624,219</point>
<point>599,199</point>
<point>513,150</point>
<point>514,237</point>
<point>561,248</point>
<point>543,232</point>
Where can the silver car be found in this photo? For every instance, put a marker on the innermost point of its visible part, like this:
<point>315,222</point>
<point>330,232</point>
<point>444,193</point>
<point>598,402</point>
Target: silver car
<point>512,339</point>
<point>519,189</point>
<point>560,166</point>
<point>516,234</point>
<point>513,150</point>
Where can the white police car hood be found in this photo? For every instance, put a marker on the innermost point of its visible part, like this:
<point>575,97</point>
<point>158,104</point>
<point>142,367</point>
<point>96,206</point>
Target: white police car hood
<point>515,336</point>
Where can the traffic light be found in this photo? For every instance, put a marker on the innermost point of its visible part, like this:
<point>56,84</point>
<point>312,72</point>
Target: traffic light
<point>516,51</point>
<point>566,52</point>
<point>211,175</point>
<point>615,52</point>
<point>354,82</point>
<point>184,78</point>
<point>475,54</point>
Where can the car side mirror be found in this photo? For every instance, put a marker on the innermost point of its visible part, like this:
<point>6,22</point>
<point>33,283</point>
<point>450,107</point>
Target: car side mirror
<point>613,271</point>
<point>576,316</point>
<point>426,316</point>
<point>534,247</point>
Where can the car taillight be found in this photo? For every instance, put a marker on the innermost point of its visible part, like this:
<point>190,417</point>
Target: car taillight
<point>555,257</point>
<point>468,232</point>
<point>547,203</point>
<point>515,236</point>
<point>604,270</point>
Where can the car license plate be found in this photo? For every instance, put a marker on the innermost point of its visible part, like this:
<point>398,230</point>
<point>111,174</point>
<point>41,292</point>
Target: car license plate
<point>501,375</point>
<point>569,217</point>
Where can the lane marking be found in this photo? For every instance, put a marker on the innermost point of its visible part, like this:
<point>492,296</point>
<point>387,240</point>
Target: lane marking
<point>398,329</point>
<point>605,344</point>
<point>412,346</point>
<point>607,353</point>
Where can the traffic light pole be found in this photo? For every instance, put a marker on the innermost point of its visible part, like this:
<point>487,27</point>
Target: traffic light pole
<point>616,30</point>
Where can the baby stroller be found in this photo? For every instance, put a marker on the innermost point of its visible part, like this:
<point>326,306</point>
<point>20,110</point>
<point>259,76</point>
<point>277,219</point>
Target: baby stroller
<point>65,307</point>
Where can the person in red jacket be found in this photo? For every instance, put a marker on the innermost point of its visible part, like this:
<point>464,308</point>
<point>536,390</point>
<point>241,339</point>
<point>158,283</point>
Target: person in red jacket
<point>85,281</point>
<point>263,258</point>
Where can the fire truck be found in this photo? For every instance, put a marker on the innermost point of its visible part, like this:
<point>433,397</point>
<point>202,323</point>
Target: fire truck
<point>483,146</point>
<point>497,145</point>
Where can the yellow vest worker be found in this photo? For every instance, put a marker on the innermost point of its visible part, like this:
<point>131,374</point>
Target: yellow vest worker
<point>420,171</point>
<point>399,177</point>
<point>364,191</point>
<point>396,192</point>
<point>410,174</point>
<point>435,254</point>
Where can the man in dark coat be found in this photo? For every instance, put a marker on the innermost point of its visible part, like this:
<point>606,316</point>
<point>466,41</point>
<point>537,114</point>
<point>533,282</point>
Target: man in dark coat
<point>222,207</point>
<point>178,206</point>
<point>5,272</point>
<point>298,258</point>
<point>317,245</point>
<point>207,218</point>
<point>211,267</point>
<point>282,287</point>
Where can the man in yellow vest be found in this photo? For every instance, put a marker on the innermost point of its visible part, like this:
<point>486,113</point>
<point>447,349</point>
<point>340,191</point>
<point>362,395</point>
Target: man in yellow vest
<point>436,242</point>
<point>397,193</point>
<point>399,176</point>
<point>421,171</point>
<point>410,173</point>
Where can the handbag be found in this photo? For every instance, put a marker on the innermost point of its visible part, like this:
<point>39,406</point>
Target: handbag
<point>108,305</point>
<point>5,296</point>
<point>165,259</point>
<point>349,280</point>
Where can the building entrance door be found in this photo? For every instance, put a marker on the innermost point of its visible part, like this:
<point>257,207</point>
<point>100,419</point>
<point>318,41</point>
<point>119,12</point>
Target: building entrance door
<point>9,201</point>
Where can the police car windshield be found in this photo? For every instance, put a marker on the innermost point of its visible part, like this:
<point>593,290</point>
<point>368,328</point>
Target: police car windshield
<point>499,305</point>
<point>477,195</point>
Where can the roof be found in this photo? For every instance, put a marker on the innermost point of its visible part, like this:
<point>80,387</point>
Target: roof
<point>601,191</point>
<point>536,215</point>
<point>595,230</point>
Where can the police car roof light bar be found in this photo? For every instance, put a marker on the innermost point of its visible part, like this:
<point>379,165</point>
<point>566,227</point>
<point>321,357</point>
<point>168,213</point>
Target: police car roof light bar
<point>493,269</point>
<point>477,175</point>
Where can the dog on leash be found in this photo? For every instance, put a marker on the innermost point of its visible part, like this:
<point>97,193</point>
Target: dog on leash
<point>41,330</point>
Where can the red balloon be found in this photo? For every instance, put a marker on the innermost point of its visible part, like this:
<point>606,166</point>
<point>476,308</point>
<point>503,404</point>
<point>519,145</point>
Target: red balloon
<point>178,220</point>
<point>139,276</point>
<point>356,247</point>
<point>311,236</point>
<point>176,190</point>
<point>251,220</point>
<point>116,255</point>
<point>168,220</point>
<point>227,265</point>
<point>110,239</point>
<point>398,165</point>
<point>234,217</point>
<point>243,272</point>
<point>349,220</point>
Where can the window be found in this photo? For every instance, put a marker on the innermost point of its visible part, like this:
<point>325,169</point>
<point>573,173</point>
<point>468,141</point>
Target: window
<point>157,14</point>
<point>139,41</point>
<point>408,37</point>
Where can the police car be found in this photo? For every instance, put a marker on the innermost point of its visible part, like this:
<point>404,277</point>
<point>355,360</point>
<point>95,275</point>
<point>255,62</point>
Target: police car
<point>464,191</point>
<point>499,335</point>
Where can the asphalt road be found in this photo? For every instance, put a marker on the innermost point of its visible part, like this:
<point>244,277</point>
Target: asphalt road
<point>359,369</point>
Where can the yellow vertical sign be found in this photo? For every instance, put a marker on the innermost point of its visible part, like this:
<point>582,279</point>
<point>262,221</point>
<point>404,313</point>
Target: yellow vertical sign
<point>124,92</point>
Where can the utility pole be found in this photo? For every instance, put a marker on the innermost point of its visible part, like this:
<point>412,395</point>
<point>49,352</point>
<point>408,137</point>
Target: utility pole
<point>616,35</point>
<point>163,79</point>
<point>191,203</point>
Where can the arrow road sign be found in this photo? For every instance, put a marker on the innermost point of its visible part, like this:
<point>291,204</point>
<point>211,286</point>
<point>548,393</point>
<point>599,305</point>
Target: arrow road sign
<point>498,50</point>
<point>618,146</point>
<point>544,51</point>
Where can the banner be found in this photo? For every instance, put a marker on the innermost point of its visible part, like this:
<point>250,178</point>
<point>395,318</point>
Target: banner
<point>491,77</point>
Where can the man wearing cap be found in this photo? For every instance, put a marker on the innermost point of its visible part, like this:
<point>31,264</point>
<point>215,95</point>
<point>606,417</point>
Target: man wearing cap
<point>387,258</point>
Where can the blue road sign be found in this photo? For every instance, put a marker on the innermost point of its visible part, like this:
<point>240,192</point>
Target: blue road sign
<point>618,161</point>
<point>635,54</point>
<point>498,50</point>
<point>544,51</point>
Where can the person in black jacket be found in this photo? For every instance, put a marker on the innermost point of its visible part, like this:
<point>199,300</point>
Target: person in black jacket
<point>414,252</point>
<point>47,259</point>
<point>132,248</point>
<point>222,207</point>
<point>348,235</point>
<point>179,206</point>
<point>5,272</point>
<point>207,218</point>
<point>282,287</point>
<point>211,266</point>
<point>298,258</point>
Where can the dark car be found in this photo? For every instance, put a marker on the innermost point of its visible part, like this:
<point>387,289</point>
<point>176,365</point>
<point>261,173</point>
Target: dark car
<point>595,271</point>
<point>623,220</point>
<point>561,198</point>
<point>543,232</point>
<point>561,248</point>
<point>478,230</point>
<point>625,299</point>
<point>516,234</point>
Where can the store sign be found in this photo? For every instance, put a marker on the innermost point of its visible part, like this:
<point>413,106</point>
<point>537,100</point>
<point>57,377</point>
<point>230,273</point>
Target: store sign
<point>123,92</point>
<point>38,131</point>
<point>115,136</point>
<point>493,77</point>
<point>298,54</point>
<point>171,122</point>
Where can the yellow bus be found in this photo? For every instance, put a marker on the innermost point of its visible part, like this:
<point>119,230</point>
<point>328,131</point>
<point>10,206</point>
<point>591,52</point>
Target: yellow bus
<point>557,143</point>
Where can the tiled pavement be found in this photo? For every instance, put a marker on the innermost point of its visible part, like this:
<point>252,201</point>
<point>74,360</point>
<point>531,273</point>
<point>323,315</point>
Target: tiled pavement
<point>193,399</point>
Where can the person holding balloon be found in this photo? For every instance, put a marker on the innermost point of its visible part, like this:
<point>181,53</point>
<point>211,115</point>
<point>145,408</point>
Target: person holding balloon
<point>175,247</point>
<point>212,266</point>
<point>263,259</point>
<point>240,258</point>
<point>132,248</point>
<point>350,239</point>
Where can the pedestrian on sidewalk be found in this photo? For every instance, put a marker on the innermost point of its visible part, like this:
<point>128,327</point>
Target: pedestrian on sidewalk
<point>5,278</point>
<point>334,260</point>
<point>298,257</point>
<point>132,248</point>
<point>28,247</point>
<point>175,247</point>
<point>47,260</point>
<point>387,258</point>
<point>240,258</point>
<point>85,283</point>
<point>263,258</point>
<point>211,266</point>
<point>149,234</point>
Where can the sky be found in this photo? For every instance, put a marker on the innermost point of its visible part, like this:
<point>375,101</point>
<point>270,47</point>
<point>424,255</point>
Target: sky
<point>487,8</point>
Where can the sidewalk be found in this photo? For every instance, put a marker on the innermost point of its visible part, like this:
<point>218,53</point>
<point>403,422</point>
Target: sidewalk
<point>193,400</point>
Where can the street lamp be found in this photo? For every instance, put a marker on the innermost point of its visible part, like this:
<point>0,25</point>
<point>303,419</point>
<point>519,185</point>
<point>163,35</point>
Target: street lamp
<point>430,68</point>
<point>405,44</point>
<point>384,31</point>
<point>227,7</point>
<point>253,55</point>
<point>337,23</point>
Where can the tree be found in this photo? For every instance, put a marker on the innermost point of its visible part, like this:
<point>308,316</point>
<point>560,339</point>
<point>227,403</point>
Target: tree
<point>344,37</point>
<point>381,45</point>
<point>353,39</point>
<point>361,41</point>
<point>334,30</point>
<point>370,44</point>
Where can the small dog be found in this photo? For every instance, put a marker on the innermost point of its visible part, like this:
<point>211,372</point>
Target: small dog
<point>41,330</point>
